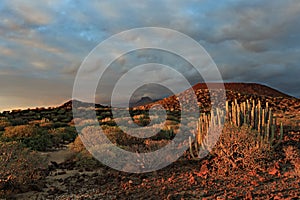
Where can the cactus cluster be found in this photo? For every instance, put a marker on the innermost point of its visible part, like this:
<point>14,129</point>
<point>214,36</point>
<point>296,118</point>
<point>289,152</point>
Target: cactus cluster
<point>259,117</point>
<point>250,113</point>
<point>207,121</point>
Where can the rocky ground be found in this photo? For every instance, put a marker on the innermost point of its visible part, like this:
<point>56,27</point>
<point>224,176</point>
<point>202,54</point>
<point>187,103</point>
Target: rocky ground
<point>184,179</point>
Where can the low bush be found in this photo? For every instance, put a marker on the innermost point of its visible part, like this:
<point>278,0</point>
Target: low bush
<point>18,121</point>
<point>4,122</point>
<point>31,136</point>
<point>104,115</point>
<point>77,146</point>
<point>292,155</point>
<point>173,118</point>
<point>83,157</point>
<point>64,134</point>
<point>164,135</point>
<point>20,131</point>
<point>19,167</point>
<point>237,149</point>
<point>42,141</point>
<point>59,124</point>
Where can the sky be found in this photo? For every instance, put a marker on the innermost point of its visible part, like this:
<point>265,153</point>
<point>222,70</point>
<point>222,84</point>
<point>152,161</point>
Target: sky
<point>43,43</point>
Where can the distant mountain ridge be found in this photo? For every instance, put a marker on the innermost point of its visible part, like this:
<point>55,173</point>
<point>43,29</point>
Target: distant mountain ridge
<point>232,91</point>
<point>143,101</point>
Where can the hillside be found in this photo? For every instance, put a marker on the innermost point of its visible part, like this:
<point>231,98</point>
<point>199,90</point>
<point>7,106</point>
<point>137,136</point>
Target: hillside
<point>246,88</point>
<point>142,101</point>
<point>56,165</point>
<point>283,105</point>
<point>240,91</point>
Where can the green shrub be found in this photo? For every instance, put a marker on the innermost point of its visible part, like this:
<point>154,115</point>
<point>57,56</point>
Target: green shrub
<point>66,119</point>
<point>143,120</point>
<point>33,137</point>
<point>18,121</point>
<point>104,115</point>
<point>61,111</point>
<point>109,123</point>
<point>68,134</point>
<point>173,118</point>
<point>20,131</point>
<point>164,135</point>
<point>4,122</point>
<point>40,142</point>
<point>59,124</point>
<point>63,134</point>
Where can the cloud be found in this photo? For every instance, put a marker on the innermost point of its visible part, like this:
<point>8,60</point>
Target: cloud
<point>6,51</point>
<point>32,12</point>
<point>259,23</point>
<point>253,41</point>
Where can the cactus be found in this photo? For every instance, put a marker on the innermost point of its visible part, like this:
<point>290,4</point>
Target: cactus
<point>281,136</point>
<point>259,123</point>
<point>198,131</point>
<point>272,134</point>
<point>263,119</point>
<point>238,115</point>
<point>247,113</point>
<point>191,147</point>
<point>233,113</point>
<point>252,117</point>
<point>281,131</point>
<point>227,110</point>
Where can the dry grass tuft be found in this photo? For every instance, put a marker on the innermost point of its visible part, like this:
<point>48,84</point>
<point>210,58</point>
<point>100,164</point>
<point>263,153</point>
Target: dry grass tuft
<point>237,149</point>
<point>292,154</point>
